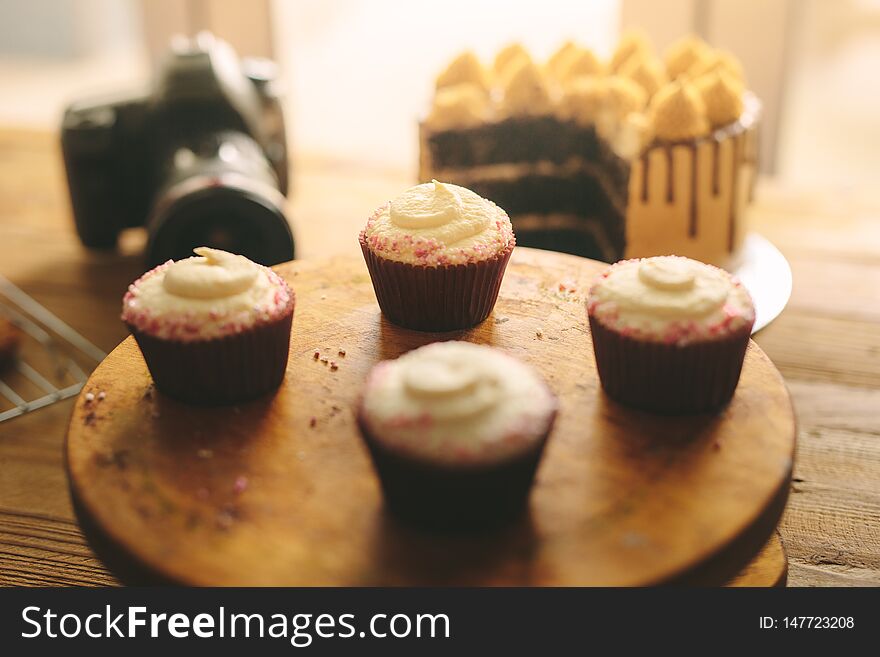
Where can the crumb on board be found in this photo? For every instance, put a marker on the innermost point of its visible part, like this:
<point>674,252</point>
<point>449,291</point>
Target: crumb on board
<point>225,519</point>
<point>316,355</point>
<point>333,366</point>
<point>501,320</point>
<point>539,333</point>
<point>342,353</point>
<point>118,458</point>
<point>325,360</point>
<point>313,421</point>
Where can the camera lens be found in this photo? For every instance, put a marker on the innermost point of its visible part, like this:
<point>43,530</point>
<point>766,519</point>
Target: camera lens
<point>223,212</point>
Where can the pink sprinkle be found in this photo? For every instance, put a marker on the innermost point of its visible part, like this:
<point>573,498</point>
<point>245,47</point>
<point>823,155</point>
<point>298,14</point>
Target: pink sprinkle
<point>342,352</point>
<point>102,396</point>
<point>90,397</point>
<point>240,484</point>
<point>317,354</point>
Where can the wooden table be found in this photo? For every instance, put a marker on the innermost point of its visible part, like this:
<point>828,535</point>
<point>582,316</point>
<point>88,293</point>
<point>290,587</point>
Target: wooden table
<point>826,344</point>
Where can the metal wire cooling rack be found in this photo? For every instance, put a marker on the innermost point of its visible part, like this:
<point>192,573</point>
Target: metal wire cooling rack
<point>53,361</point>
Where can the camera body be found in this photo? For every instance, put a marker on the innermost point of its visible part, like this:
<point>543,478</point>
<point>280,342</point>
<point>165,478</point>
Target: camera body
<point>200,158</point>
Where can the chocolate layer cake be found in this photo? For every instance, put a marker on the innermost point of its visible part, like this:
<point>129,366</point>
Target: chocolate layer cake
<point>629,158</point>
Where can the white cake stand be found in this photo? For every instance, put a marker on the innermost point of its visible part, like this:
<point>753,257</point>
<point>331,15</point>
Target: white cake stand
<point>767,276</point>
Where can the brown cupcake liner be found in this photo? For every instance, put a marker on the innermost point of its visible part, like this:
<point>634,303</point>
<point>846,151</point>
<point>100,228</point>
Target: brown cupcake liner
<point>453,497</point>
<point>441,298</point>
<point>669,379</point>
<point>225,370</point>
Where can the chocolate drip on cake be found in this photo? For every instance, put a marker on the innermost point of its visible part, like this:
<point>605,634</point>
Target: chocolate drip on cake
<point>734,184</point>
<point>753,160</point>
<point>670,174</point>
<point>646,175</point>
<point>695,191</point>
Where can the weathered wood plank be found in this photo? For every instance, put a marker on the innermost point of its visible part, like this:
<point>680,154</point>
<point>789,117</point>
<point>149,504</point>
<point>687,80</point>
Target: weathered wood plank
<point>838,350</point>
<point>831,526</point>
<point>46,550</point>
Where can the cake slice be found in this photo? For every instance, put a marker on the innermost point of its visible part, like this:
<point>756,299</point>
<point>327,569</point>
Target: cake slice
<point>632,157</point>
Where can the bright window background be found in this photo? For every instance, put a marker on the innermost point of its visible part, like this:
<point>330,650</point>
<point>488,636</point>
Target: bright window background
<point>830,127</point>
<point>362,74</point>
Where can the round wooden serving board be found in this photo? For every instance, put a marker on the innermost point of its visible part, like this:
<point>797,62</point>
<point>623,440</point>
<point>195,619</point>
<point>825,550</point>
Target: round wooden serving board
<point>280,491</point>
<point>769,568</point>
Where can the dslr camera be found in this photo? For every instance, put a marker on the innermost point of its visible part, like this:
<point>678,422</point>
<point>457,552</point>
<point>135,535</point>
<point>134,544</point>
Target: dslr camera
<point>200,159</point>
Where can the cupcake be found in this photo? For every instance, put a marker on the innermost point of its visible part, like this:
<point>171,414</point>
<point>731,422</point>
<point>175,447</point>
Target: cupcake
<point>214,329</point>
<point>669,333</point>
<point>456,432</point>
<point>436,255</point>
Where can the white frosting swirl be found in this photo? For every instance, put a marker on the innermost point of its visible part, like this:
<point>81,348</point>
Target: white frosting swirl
<point>426,206</point>
<point>668,274</point>
<point>438,224</point>
<point>670,298</point>
<point>451,384</point>
<point>457,401</point>
<point>214,275</point>
<point>204,297</point>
